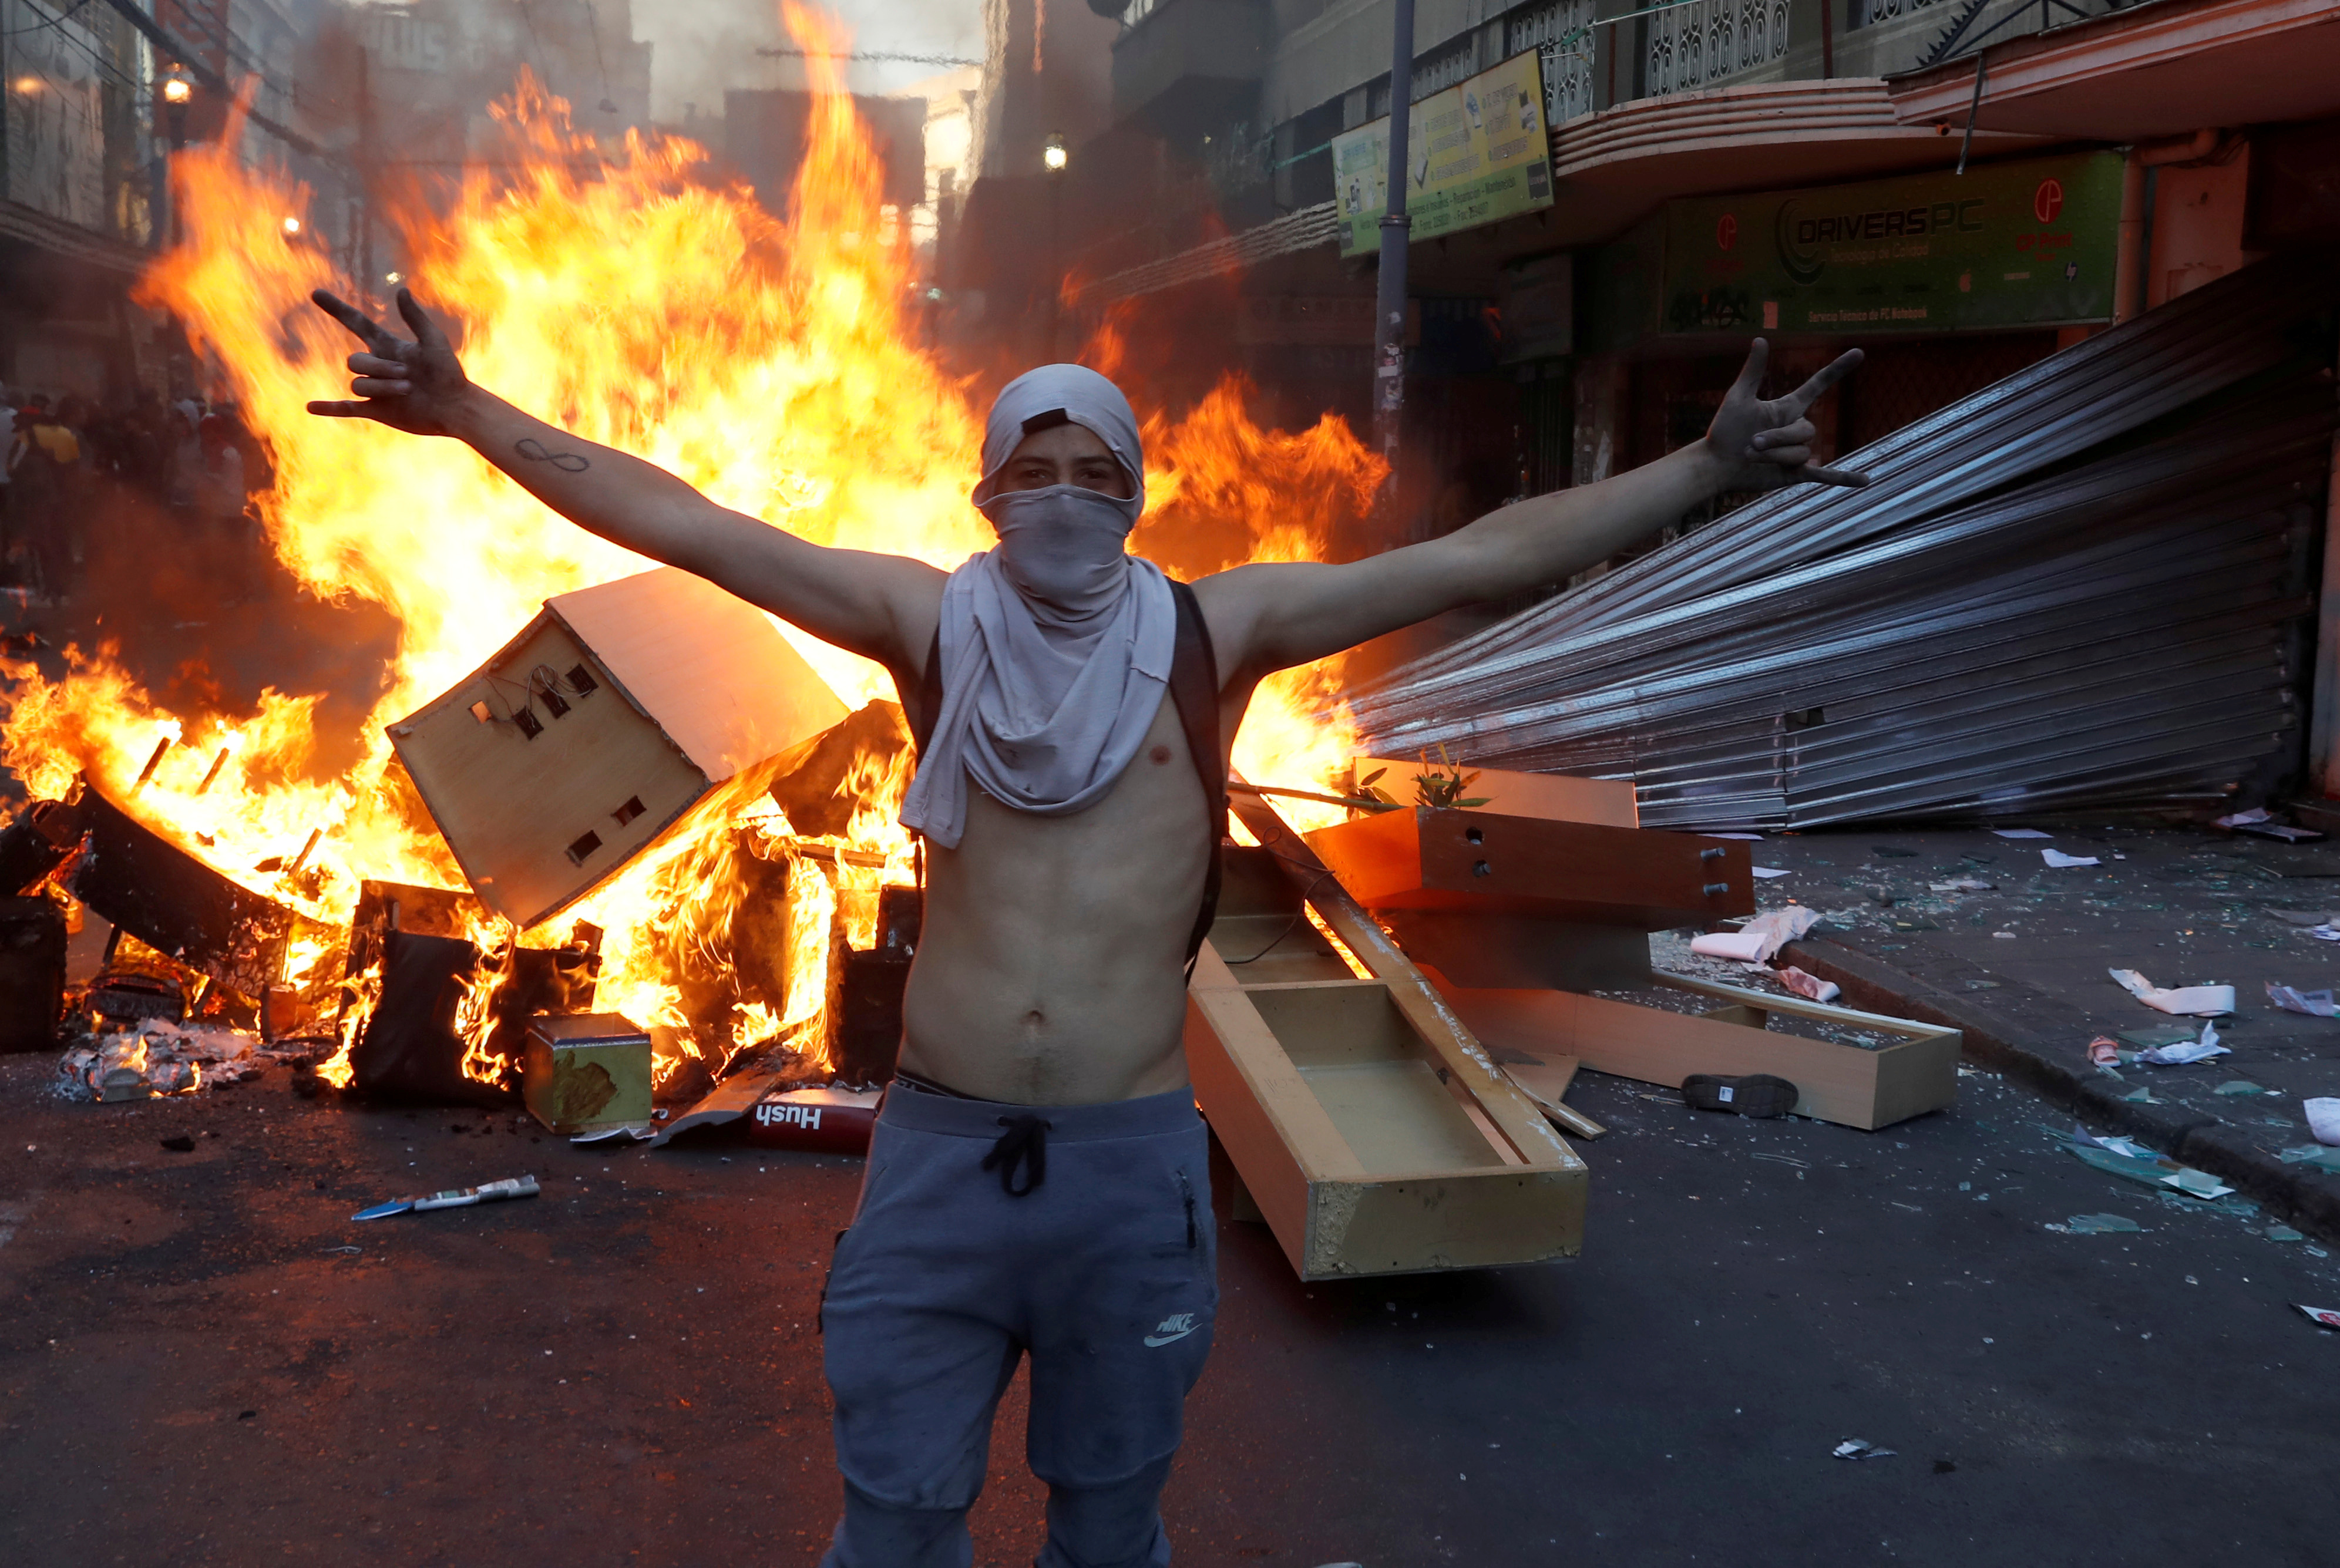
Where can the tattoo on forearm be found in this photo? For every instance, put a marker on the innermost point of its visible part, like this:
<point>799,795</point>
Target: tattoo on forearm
<point>534,451</point>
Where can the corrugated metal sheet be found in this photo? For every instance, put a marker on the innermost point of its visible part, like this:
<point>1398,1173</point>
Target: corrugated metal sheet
<point>2082,586</point>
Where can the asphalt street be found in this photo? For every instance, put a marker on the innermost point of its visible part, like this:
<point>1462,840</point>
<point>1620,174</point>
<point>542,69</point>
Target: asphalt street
<point>202,1360</point>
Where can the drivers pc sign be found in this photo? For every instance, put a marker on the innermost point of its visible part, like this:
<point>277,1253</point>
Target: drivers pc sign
<point>2026,244</point>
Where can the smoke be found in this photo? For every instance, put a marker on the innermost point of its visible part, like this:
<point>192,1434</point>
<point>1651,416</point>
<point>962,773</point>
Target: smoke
<point>702,47</point>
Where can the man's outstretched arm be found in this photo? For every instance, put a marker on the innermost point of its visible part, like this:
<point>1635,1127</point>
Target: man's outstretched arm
<point>1268,616</point>
<point>881,606</point>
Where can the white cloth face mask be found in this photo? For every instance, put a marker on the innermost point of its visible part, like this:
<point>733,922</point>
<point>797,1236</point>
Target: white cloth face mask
<point>1064,547</point>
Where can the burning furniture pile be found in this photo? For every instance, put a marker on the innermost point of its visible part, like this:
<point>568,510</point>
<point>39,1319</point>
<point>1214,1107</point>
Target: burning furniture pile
<point>652,717</point>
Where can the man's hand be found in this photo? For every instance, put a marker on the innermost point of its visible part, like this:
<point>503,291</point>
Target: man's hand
<point>417,387</point>
<point>1764,444</point>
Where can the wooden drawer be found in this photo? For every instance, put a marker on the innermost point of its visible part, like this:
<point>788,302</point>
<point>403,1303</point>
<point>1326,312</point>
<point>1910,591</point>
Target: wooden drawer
<point>1487,863</point>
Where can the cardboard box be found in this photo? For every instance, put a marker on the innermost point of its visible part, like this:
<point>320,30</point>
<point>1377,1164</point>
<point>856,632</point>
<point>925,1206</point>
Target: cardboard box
<point>599,728</point>
<point>582,1071</point>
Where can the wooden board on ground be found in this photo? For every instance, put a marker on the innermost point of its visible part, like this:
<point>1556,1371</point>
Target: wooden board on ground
<point>1364,1146</point>
<point>1543,1079</point>
<point>1553,796</point>
<point>593,732</point>
<point>1852,1085</point>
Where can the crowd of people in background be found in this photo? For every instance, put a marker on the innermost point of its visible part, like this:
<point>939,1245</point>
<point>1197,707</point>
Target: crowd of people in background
<point>71,464</point>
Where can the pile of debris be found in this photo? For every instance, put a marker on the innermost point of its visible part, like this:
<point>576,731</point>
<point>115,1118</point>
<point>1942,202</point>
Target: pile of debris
<point>675,709</point>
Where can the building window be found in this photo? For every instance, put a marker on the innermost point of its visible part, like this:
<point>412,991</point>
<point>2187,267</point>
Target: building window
<point>1561,31</point>
<point>1707,40</point>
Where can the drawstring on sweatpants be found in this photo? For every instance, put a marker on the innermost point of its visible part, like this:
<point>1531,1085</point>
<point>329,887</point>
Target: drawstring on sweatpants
<point>1025,1143</point>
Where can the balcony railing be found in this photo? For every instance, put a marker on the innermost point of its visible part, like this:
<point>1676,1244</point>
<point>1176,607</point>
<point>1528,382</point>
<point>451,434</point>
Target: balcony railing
<point>1969,25</point>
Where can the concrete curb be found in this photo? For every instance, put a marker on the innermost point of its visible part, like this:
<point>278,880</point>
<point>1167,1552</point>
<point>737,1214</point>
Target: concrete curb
<point>2034,1038</point>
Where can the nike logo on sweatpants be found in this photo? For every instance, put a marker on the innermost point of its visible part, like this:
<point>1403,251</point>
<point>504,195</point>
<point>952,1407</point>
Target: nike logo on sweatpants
<point>1173,1328</point>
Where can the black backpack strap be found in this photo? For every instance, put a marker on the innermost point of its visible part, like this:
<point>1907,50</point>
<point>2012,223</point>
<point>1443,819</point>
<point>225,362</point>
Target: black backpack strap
<point>929,706</point>
<point>1194,687</point>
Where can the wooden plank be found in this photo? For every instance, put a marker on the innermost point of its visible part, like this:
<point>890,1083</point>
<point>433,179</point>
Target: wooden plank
<point>1513,1113</point>
<point>1480,863</point>
<point>1839,1083</point>
<point>1553,796</point>
<point>1545,1079</point>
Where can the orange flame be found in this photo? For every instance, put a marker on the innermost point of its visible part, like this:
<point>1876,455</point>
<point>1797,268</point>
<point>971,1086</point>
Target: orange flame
<point>773,364</point>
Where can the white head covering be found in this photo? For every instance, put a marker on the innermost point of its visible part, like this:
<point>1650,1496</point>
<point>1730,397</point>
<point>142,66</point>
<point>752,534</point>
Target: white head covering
<point>1062,394</point>
<point>1046,700</point>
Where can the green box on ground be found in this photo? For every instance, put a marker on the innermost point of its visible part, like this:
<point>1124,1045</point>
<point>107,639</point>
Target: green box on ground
<point>586,1070</point>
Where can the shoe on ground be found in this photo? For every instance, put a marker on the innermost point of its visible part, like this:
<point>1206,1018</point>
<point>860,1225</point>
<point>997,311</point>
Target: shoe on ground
<point>1757,1094</point>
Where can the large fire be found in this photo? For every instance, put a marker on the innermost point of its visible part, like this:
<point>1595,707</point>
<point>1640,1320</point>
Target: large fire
<point>773,364</point>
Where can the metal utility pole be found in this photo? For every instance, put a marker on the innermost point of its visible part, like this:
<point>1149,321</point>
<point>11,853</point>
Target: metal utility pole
<point>367,280</point>
<point>1389,297</point>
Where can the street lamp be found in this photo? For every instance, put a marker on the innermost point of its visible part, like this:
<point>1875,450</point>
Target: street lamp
<point>176,91</point>
<point>1052,158</point>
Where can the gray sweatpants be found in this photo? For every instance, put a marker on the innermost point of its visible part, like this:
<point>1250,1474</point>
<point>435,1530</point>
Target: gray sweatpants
<point>1089,1242</point>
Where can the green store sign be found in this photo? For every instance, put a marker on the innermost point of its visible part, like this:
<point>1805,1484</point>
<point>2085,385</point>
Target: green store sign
<point>2023,245</point>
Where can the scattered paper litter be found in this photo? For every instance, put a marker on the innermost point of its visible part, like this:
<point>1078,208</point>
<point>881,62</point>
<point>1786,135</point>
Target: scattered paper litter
<point>1962,885</point>
<point>2243,818</point>
<point>2120,1143</point>
<point>2021,833</point>
<point>2178,1056</point>
<point>1747,946</point>
<point>2058,860</point>
<point>1767,872</point>
<point>2314,1003</point>
<point>1755,941</point>
<point>2282,830</point>
<point>2324,1121</point>
<point>2320,1315</point>
<point>1861,1448</point>
<point>1810,985</point>
<point>2327,932</point>
<point>2193,1000</point>
<point>2198,1183</point>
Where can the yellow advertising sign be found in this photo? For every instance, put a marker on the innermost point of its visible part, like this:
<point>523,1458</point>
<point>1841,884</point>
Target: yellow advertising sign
<point>1476,153</point>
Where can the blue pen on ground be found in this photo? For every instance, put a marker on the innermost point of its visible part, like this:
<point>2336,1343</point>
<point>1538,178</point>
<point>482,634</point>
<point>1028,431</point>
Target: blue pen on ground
<point>454,1198</point>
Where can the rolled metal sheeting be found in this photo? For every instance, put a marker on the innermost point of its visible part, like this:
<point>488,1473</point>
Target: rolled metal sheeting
<point>2084,586</point>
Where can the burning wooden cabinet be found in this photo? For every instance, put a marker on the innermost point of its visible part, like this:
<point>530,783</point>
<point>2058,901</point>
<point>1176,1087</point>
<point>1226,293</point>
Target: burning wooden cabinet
<point>602,724</point>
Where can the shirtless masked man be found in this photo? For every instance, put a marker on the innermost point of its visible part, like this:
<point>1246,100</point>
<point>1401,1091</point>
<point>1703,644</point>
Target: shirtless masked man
<point>1037,1180</point>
